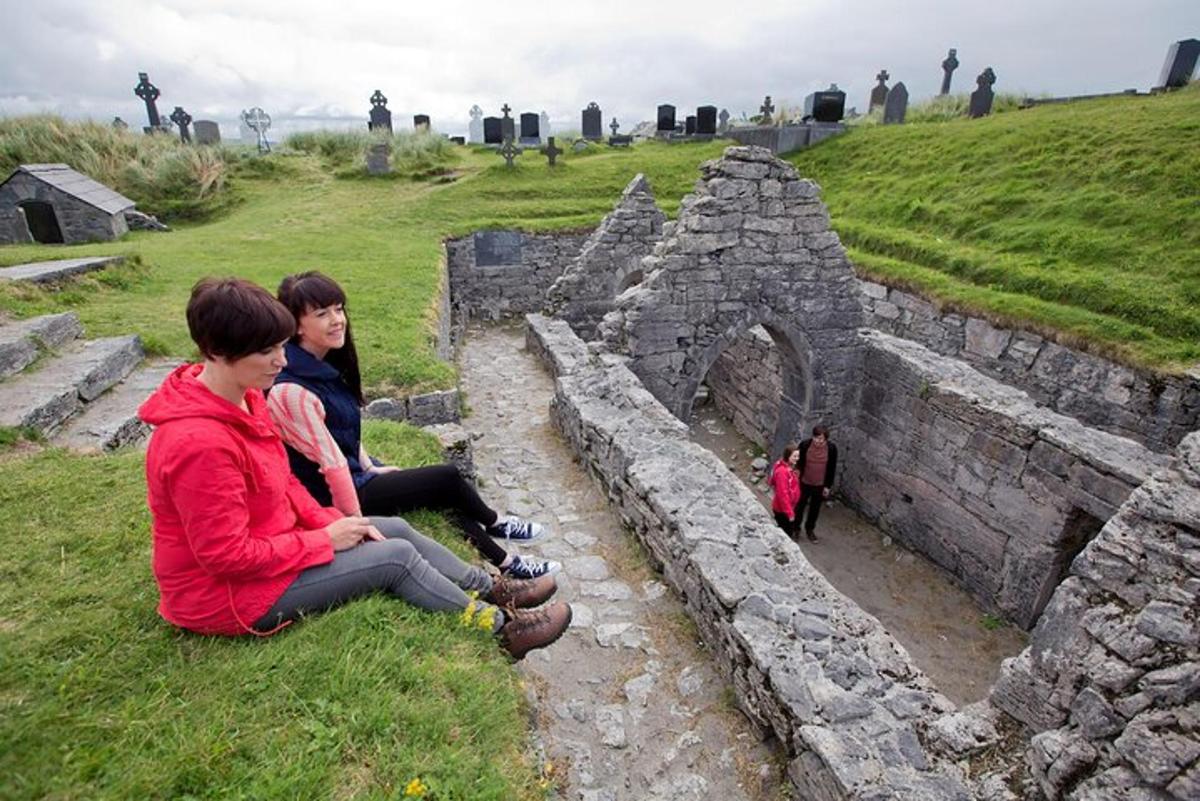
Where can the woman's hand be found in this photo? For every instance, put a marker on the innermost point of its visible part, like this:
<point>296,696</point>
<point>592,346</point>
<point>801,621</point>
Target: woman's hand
<point>385,468</point>
<point>350,531</point>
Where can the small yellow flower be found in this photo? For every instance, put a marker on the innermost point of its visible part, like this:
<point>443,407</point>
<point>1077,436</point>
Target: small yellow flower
<point>486,619</point>
<point>416,789</point>
<point>468,615</point>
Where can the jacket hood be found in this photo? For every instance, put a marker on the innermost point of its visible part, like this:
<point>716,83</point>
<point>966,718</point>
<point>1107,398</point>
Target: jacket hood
<point>181,396</point>
<point>303,364</point>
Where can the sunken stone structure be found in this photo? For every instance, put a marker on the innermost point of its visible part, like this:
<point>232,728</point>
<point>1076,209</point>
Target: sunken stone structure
<point>53,203</point>
<point>610,261</point>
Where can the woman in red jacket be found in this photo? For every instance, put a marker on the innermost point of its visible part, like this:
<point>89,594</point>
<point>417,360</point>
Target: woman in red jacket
<point>785,483</point>
<point>240,546</point>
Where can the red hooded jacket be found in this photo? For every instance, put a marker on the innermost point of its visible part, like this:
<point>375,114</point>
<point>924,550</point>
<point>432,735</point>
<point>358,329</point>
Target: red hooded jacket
<point>786,485</point>
<point>232,526</point>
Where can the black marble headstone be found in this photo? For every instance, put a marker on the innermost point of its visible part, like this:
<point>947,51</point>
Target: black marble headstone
<point>826,106</point>
<point>421,121</point>
<point>593,123</point>
<point>381,118</point>
<point>981,98</point>
<point>1180,64</point>
<point>689,124</point>
<point>530,129</point>
<point>706,120</point>
<point>895,105</point>
<point>498,248</point>
<point>666,117</point>
<point>492,131</point>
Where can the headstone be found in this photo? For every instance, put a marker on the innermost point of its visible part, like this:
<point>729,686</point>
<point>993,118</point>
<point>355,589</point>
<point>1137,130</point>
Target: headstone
<point>498,248</point>
<point>895,106</point>
<point>1180,64</point>
<point>260,122</point>
<point>475,126</point>
<point>948,68</point>
<point>689,124</point>
<point>981,98</point>
<point>182,119</point>
<point>119,124</point>
<point>666,118</point>
<point>551,151</point>
<point>706,120</point>
<point>507,129</point>
<point>509,151</point>
<point>579,145</point>
<point>379,158</point>
<point>493,130</point>
<point>544,126</point>
<point>149,93</point>
<point>458,140</point>
<point>614,126</point>
<point>766,110</point>
<point>880,92</point>
<point>723,121</point>
<point>381,118</point>
<point>207,132</point>
<point>530,130</point>
<point>421,122</point>
<point>593,123</point>
<point>620,140</point>
<point>826,106</point>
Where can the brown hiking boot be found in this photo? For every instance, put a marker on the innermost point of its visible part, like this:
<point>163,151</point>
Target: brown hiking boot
<point>511,593</point>
<point>527,629</point>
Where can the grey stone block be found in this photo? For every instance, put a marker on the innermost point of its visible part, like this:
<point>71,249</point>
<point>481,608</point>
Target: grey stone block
<point>47,272</point>
<point>22,341</point>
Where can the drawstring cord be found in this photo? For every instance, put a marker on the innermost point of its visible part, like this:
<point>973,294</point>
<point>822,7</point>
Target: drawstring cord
<point>242,623</point>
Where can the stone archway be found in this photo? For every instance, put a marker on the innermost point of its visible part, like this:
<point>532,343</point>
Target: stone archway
<point>751,246</point>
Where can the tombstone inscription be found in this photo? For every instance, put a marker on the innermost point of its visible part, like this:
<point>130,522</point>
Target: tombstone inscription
<point>593,122</point>
<point>880,92</point>
<point>981,98</point>
<point>666,118</point>
<point>895,105</point>
<point>498,248</point>
<point>475,126</point>
<point>182,119</point>
<point>948,68</point>
<point>381,118</point>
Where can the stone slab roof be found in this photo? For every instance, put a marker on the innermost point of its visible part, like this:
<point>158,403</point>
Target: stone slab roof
<point>77,185</point>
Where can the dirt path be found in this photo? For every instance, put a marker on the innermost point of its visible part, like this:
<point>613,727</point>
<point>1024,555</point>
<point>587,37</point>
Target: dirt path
<point>942,628</point>
<point>628,705</point>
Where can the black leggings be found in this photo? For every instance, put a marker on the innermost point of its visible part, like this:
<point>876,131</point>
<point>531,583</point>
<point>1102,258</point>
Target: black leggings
<point>439,487</point>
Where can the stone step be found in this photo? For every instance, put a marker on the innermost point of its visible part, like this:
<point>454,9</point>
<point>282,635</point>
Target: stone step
<point>48,272</point>
<point>45,398</point>
<point>23,340</point>
<point>111,421</point>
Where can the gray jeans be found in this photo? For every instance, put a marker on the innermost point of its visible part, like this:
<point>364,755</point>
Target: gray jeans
<point>406,565</point>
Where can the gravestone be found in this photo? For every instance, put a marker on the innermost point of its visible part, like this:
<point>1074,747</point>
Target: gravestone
<point>207,132</point>
<point>579,145</point>
<point>381,118</point>
<point>544,126</point>
<point>706,120</point>
<point>689,125</point>
<point>458,140</point>
<point>551,151</point>
<point>948,68</point>
<point>530,130</point>
<point>509,151</point>
<point>183,120</point>
<point>493,131</point>
<point>379,158</point>
<point>895,106</point>
<point>880,93</point>
<point>666,118</point>
<point>826,106</point>
<point>766,111</point>
<point>475,126</point>
<point>620,140</point>
<point>119,124</point>
<point>498,248</point>
<point>1180,64</point>
<point>981,98</point>
<point>260,122</point>
<point>593,123</point>
<point>149,93</point>
<point>507,127</point>
<point>421,123</point>
<point>614,126</point>
<point>723,121</point>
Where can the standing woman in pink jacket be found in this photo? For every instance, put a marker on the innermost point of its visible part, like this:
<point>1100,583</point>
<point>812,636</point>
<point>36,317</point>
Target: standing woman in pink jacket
<point>785,484</point>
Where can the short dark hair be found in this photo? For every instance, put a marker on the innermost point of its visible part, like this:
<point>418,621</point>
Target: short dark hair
<point>789,449</point>
<point>304,292</point>
<point>232,318</point>
<point>820,431</point>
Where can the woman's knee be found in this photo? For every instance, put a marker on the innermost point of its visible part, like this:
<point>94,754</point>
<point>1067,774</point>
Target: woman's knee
<point>397,552</point>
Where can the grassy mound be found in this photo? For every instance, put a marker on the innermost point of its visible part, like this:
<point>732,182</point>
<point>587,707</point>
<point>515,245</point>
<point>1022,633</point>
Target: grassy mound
<point>164,176</point>
<point>414,155</point>
<point>1078,220</point>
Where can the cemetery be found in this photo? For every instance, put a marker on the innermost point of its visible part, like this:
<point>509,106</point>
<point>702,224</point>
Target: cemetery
<point>619,332</point>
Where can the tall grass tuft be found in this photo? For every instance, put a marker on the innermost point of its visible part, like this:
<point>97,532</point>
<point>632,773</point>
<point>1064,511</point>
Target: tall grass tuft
<point>164,176</point>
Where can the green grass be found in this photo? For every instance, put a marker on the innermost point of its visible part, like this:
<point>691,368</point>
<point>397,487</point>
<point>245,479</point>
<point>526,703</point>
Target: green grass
<point>100,699</point>
<point>1078,221</point>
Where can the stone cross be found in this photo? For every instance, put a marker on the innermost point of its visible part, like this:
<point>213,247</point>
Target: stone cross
<point>508,128</point>
<point>981,98</point>
<point>381,118</point>
<point>509,150</point>
<point>544,124</point>
<point>550,151</point>
<point>766,110</point>
<point>149,93</point>
<point>475,127</point>
<point>879,93</point>
<point>614,126</point>
<point>506,108</point>
<point>723,120</point>
<point>183,120</point>
<point>259,121</point>
<point>948,68</point>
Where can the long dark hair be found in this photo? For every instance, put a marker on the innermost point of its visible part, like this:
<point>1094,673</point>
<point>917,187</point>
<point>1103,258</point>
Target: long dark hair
<point>304,292</point>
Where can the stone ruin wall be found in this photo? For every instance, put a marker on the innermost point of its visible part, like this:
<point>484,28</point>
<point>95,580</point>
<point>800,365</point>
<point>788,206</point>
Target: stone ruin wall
<point>745,384</point>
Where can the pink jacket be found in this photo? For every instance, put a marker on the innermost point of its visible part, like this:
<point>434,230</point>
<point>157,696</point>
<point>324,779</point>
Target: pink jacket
<point>786,486</point>
<point>232,526</point>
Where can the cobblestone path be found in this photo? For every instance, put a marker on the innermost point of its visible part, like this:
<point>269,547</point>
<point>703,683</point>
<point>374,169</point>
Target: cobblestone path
<point>628,705</point>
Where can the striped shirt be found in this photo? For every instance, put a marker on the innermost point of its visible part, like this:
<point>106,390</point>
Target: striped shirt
<point>299,416</point>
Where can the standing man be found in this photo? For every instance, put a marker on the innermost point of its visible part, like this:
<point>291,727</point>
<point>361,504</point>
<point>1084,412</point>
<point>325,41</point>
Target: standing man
<point>817,466</point>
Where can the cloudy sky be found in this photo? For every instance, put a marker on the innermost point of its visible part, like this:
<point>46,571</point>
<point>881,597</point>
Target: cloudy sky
<point>314,64</point>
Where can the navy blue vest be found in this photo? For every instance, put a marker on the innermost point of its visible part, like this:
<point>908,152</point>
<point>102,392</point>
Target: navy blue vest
<point>343,418</point>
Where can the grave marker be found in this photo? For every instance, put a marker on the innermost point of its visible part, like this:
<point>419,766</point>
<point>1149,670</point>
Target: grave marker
<point>421,123</point>
<point>948,68</point>
<point>507,127</point>
<point>706,121</point>
<point>475,126</point>
<point>149,93</point>
<point>551,151</point>
<point>120,124</point>
<point>880,93</point>
<point>530,130</point>
<point>826,106</point>
<point>259,121</point>
<point>666,118</point>
<point>509,151</point>
<point>493,131</point>
<point>766,110</point>
<point>723,121</point>
<point>379,158</point>
<point>544,125</point>
<point>614,126</point>
<point>1180,64</point>
<point>183,120</point>
<point>498,248</point>
<point>895,106</point>
<point>207,132</point>
<point>381,118</point>
<point>593,122</point>
<point>981,98</point>
<point>689,125</point>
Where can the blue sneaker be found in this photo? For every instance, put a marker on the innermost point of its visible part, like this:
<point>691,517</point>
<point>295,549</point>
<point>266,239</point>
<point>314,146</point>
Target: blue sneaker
<point>530,567</point>
<point>514,528</point>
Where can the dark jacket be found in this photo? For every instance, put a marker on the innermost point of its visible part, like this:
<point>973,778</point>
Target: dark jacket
<point>830,466</point>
